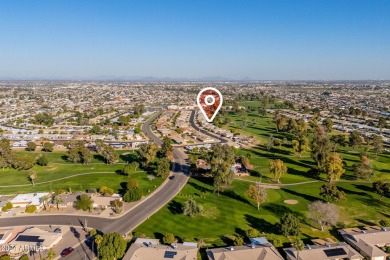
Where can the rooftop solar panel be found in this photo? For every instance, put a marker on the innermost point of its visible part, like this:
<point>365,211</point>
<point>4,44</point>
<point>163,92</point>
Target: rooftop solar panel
<point>169,254</point>
<point>335,252</point>
<point>24,238</point>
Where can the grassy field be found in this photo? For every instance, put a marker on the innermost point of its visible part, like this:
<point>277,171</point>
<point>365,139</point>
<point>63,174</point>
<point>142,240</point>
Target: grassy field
<point>232,213</point>
<point>60,174</point>
<point>261,128</point>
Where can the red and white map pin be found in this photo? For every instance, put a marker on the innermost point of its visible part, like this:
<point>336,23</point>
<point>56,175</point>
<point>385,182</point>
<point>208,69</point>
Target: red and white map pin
<point>209,102</point>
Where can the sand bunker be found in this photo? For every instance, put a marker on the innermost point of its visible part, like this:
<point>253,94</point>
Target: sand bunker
<point>291,202</point>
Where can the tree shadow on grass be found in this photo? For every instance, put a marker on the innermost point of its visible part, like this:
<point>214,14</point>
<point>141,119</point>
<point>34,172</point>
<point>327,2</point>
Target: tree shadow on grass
<point>199,187</point>
<point>366,222</point>
<point>386,215</point>
<point>206,180</point>
<point>176,208</point>
<point>302,195</point>
<point>231,194</point>
<point>360,193</point>
<point>98,157</point>
<point>128,157</point>
<point>64,157</point>
<point>261,224</point>
<point>363,187</point>
<point>240,232</point>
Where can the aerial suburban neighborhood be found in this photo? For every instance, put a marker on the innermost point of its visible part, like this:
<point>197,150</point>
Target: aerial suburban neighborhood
<point>195,130</point>
<point>272,168</point>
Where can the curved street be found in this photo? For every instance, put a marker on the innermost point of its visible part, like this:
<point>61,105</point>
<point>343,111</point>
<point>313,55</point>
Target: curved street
<point>132,218</point>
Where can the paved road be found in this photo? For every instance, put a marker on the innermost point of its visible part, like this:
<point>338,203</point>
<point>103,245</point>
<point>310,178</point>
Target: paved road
<point>128,221</point>
<point>192,122</point>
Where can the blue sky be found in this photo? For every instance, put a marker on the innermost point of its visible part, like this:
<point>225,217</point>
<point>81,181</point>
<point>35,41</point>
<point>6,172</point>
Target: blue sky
<point>79,39</point>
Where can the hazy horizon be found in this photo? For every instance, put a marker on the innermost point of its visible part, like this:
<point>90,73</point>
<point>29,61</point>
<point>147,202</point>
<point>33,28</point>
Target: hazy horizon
<point>195,40</point>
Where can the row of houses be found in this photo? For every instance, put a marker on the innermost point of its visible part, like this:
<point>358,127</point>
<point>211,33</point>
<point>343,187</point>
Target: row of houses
<point>67,200</point>
<point>361,244</point>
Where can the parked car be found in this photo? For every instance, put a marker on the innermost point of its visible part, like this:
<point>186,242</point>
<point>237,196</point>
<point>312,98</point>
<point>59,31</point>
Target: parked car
<point>67,251</point>
<point>57,230</point>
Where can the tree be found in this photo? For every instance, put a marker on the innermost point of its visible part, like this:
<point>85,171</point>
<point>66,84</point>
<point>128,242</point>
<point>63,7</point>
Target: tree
<point>338,140</point>
<point>73,155</point>
<point>238,241</point>
<point>21,162</point>
<point>382,189</point>
<point>57,200</point>
<point>280,121</point>
<point>31,146</point>
<point>355,139</point>
<point>320,148</point>
<point>113,246</point>
<point>147,153</point>
<point>32,176</point>
<point>133,192</point>
<point>166,148</point>
<point>84,202</point>
<point>221,159</point>
<point>23,257</point>
<point>169,238</point>
<point>48,147</point>
<point>257,193</point>
<point>191,208</point>
<point>330,193</point>
<point>323,213</point>
<point>298,245</point>
<point>377,142</point>
<point>109,154</point>
<point>43,160</point>
<point>246,162</point>
<point>334,167</point>
<point>271,143</point>
<point>51,254</point>
<point>252,233</point>
<point>382,123</point>
<point>85,155</point>
<point>277,168</point>
<point>300,145</point>
<point>328,123</point>
<point>289,225</point>
<point>44,200</point>
<point>363,169</point>
<point>106,191</point>
<point>163,167</point>
<point>98,241</point>
<point>130,168</point>
<point>117,205</point>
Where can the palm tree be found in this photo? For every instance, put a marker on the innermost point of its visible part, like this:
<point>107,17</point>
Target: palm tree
<point>299,245</point>
<point>98,240</point>
<point>44,200</point>
<point>57,200</point>
<point>32,176</point>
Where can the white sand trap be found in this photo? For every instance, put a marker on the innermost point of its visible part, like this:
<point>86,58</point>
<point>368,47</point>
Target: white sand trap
<point>291,202</point>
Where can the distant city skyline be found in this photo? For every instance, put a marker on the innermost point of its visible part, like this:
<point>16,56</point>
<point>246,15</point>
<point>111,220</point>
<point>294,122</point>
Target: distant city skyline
<point>195,40</point>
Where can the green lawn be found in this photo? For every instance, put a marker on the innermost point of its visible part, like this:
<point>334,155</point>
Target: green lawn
<point>261,128</point>
<point>60,174</point>
<point>233,212</point>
